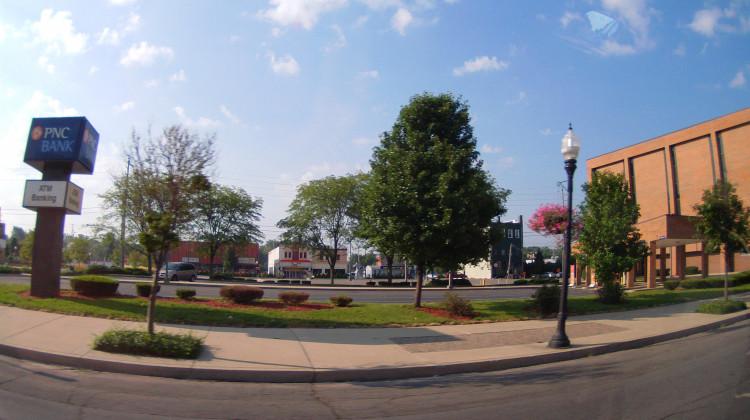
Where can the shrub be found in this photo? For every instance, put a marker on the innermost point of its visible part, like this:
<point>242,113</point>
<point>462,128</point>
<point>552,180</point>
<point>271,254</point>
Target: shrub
<point>144,289</point>
<point>97,269</point>
<point>457,305</point>
<point>707,283</point>
<point>740,278</point>
<point>282,281</point>
<point>91,285</point>
<point>6,269</point>
<point>185,293</point>
<point>520,282</point>
<point>671,284</point>
<point>115,270</point>
<point>222,276</point>
<point>692,270</point>
<point>241,294</point>
<point>341,300</point>
<point>658,272</point>
<point>161,344</point>
<point>611,293</point>
<point>135,271</point>
<point>292,298</point>
<point>546,299</point>
<point>722,307</point>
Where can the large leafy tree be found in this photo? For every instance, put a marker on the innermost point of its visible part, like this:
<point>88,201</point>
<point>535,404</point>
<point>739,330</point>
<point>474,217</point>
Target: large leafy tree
<point>609,242</point>
<point>321,216</point>
<point>430,198</point>
<point>80,249</point>
<point>723,222</point>
<point>226,215</point>
<point>372,228</point>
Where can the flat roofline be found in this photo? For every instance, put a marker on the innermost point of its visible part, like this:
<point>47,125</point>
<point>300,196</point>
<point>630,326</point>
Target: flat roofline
<point>666,134</point>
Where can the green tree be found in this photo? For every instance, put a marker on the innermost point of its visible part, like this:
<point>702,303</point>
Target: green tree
<point>79,249</point>
<point>165,174</point>
<point>430,198</point>
<point>723,222</point>
<point>609,241</point>
<point>225,215</point>
<point>27,247</point>
<point>321,216</point>
<point>230,260</point>
<point>157,240</point>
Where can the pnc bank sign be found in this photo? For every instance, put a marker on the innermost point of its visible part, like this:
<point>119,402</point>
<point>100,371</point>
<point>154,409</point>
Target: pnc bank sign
<point>70,139</point>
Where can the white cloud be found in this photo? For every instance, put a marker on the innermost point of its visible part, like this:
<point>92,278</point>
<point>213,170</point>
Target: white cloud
<point>340,41</point>
<point>151,83</point>
<point>231,117</point>
<point>108,36</point>
<point>144,54</point>
<point>370,74</point>
<point>44,63</point>
<point>316,171</point>
<point>681,50</point>
<point>285,65</point>
<point>739,81</point>
<point>93,70</point>
<point>178,77</point>
<point>705,21</point>
<point>546,132</point>
<point>401,20</point>
<point>189,122</point>
<point>506,162</point>
<point>521,99</point>
<point>127,106</point>
<point>302,13</point>
<point>490,150</point>
<point>483,63</point>
<point>569,17</point>
<point>121,2</point>
<point>58,33</point>
<point>132,24</point>
<point>362,141</point>
<point>614,48</point>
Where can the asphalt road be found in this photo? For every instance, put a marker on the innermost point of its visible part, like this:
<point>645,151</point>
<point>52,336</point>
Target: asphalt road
<point>705,376</point>
<point>359,294</point>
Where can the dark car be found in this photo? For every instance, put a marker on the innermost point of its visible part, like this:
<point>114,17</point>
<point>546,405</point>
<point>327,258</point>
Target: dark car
<point>179,271</point>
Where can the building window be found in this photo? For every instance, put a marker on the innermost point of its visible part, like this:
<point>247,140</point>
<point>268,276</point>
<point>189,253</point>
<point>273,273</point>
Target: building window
<point>518,233</point>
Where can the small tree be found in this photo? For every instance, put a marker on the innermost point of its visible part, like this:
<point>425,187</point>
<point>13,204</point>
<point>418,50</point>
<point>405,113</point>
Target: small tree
<point>609,241</point>
<point>723,222</point>
<point>157,240</point>
<point>321,216</point>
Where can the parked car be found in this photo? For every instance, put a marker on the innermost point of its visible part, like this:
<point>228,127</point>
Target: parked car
<point>179,271</point>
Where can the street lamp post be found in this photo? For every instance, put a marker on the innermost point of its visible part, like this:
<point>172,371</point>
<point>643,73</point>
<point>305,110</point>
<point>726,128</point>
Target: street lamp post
<point>571,145</point>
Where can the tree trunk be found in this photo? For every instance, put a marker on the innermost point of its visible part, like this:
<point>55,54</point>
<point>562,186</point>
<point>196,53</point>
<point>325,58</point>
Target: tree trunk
<point>152,303</point>
<point>726,273</point>
<point>418,294</point>
<point>389,262</point>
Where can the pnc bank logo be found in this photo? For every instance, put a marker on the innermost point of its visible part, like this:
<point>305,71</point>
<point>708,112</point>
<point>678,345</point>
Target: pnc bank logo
<point>37,132</point>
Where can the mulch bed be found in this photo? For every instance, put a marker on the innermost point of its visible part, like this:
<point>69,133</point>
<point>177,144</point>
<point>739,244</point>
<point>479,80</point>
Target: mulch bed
<point>443,313</point>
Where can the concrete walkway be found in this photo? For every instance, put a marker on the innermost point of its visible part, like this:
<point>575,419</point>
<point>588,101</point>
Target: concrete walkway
<point>352,354</point>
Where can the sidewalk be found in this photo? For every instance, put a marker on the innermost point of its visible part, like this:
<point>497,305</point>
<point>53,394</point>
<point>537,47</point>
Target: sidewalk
<point>352,354</point>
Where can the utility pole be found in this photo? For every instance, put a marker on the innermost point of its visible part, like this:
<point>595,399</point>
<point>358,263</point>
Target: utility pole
<point>122,225</point>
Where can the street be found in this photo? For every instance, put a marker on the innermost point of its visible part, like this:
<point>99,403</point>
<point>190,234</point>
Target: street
<point>705,376</point>
<point>360,294</point>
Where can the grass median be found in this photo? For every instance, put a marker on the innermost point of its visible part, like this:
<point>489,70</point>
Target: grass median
<point>356,315</point>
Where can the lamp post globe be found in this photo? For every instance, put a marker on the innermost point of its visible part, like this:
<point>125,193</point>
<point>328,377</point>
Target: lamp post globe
<point>571,146</point>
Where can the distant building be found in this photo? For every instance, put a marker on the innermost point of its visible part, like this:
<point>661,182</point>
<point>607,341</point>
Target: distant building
<point>508,252</point>
<point>195,252</point>
<point>667,176</point>
<point>379,270</point>
<point>295,262</point>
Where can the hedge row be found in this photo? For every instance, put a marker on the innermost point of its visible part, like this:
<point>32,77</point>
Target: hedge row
<point>736,279</point>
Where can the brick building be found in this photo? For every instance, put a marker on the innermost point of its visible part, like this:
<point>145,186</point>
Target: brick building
<point>296,262</point>
<point>667,176</point>
<point>194,252</point>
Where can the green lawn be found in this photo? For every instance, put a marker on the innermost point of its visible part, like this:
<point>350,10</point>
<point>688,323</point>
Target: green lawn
<point>357,315</point>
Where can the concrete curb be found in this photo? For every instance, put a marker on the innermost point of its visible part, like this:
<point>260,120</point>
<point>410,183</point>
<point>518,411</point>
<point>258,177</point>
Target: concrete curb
<point>312,375</point>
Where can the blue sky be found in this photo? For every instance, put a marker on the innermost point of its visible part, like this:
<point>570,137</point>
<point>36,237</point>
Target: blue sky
<point>299,90</point>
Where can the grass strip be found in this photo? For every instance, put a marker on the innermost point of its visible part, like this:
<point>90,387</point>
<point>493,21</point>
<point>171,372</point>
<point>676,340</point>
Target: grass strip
<point>355,315</point>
